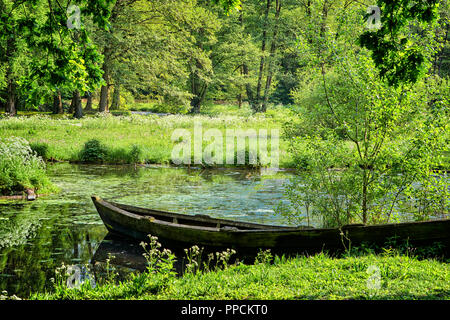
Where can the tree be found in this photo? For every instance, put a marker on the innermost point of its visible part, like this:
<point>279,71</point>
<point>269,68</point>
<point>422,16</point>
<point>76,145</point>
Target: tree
<point>441,61</point>
<point>372,144</point>
<point>9,51</point>
<point>62,58</point>
<point>268,22</point>
<point>398,49</point>
<point>216,68</point>
<point>136,55</point>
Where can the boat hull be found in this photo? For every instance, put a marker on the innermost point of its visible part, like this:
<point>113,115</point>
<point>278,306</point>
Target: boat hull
<point>138,227</point>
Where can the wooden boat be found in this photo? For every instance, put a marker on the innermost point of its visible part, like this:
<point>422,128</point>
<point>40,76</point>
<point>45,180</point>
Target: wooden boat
<point>185,230</point>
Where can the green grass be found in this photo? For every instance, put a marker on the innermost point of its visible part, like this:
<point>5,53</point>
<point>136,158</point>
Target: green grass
<point>209,109</point>
<point>65,137</point>
<point>216,110</point>
<point>314,277</point>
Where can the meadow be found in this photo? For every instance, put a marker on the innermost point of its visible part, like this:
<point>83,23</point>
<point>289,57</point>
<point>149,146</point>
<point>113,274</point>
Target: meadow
<point>63,138</point>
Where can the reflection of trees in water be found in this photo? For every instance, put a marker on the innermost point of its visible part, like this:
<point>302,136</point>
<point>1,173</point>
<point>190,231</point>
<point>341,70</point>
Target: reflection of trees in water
<point>18,224</point>
<point>160,175</point>
<point>36,239</point>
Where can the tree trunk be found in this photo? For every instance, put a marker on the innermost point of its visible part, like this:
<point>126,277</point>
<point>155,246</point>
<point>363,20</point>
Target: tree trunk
<point>88,107</point>
<point>263,50</point>
<point>197,100</point>
<point>57,103</point>
<point>72,106</point>
<point>11,98</point>
<point>323,25</point>
<point>273,48</point>
<point>115,105</point>
<point>240,89</point>
<point>249,90</point>
<point>104,99</point>
<point>104,92</point>
<point>198,90</point>
<point>364,196</point>
<point>76,101</point>
<point>10,106</point>
<point>195,105</point>
<point>246,73</point>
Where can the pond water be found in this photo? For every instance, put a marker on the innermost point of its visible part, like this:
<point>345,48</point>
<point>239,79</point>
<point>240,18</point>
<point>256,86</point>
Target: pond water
<point>37,237</point>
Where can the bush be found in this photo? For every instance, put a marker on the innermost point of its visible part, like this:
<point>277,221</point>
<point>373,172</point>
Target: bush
<point>93,152</point>
<point>41,149</point>
<point>135,155</point>
<point>21,168</point>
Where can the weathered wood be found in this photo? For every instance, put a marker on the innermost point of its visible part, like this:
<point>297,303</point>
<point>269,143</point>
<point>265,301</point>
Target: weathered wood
<point>138,223</point>
<point>31,196</point>
<point>28,195</point>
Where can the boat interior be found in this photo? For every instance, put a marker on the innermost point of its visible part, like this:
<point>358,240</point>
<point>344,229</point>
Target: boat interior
<point>200,220</point>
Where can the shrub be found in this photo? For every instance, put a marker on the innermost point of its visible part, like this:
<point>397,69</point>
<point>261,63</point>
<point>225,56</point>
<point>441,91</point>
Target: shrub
<point>93,152</point>
<point>41,149</point>
<point>21,168</point>
<point>135,155</point>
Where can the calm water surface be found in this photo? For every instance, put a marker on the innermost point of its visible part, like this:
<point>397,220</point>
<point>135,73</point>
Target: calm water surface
<point>37,237</point>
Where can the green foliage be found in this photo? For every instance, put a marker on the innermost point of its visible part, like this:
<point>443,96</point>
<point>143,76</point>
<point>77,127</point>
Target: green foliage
<point>55,57</point>
<point>158,260</point>
<point>368,146</point>
<point>21,168</point>
<point>328,194</point>
<point>402,47</point>
<point>264,257</point>
<point>229,5</point>
<point>93,152</point>
<point>215,110</point>
<point>96,152</point>
<point>41,149</point>
<point>135,154</point>
<point>190,53</point>
<point>384,163</point>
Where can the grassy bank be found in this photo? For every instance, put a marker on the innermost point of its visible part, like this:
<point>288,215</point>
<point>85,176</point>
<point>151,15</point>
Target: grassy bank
<point>21,170</point>
<point>127,138</point>
<point>314,277</point>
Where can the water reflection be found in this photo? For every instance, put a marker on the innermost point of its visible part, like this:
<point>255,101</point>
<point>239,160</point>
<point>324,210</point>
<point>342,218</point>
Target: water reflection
<point>123,253</point>
<point>37,237</point>
<point>128,256</point>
